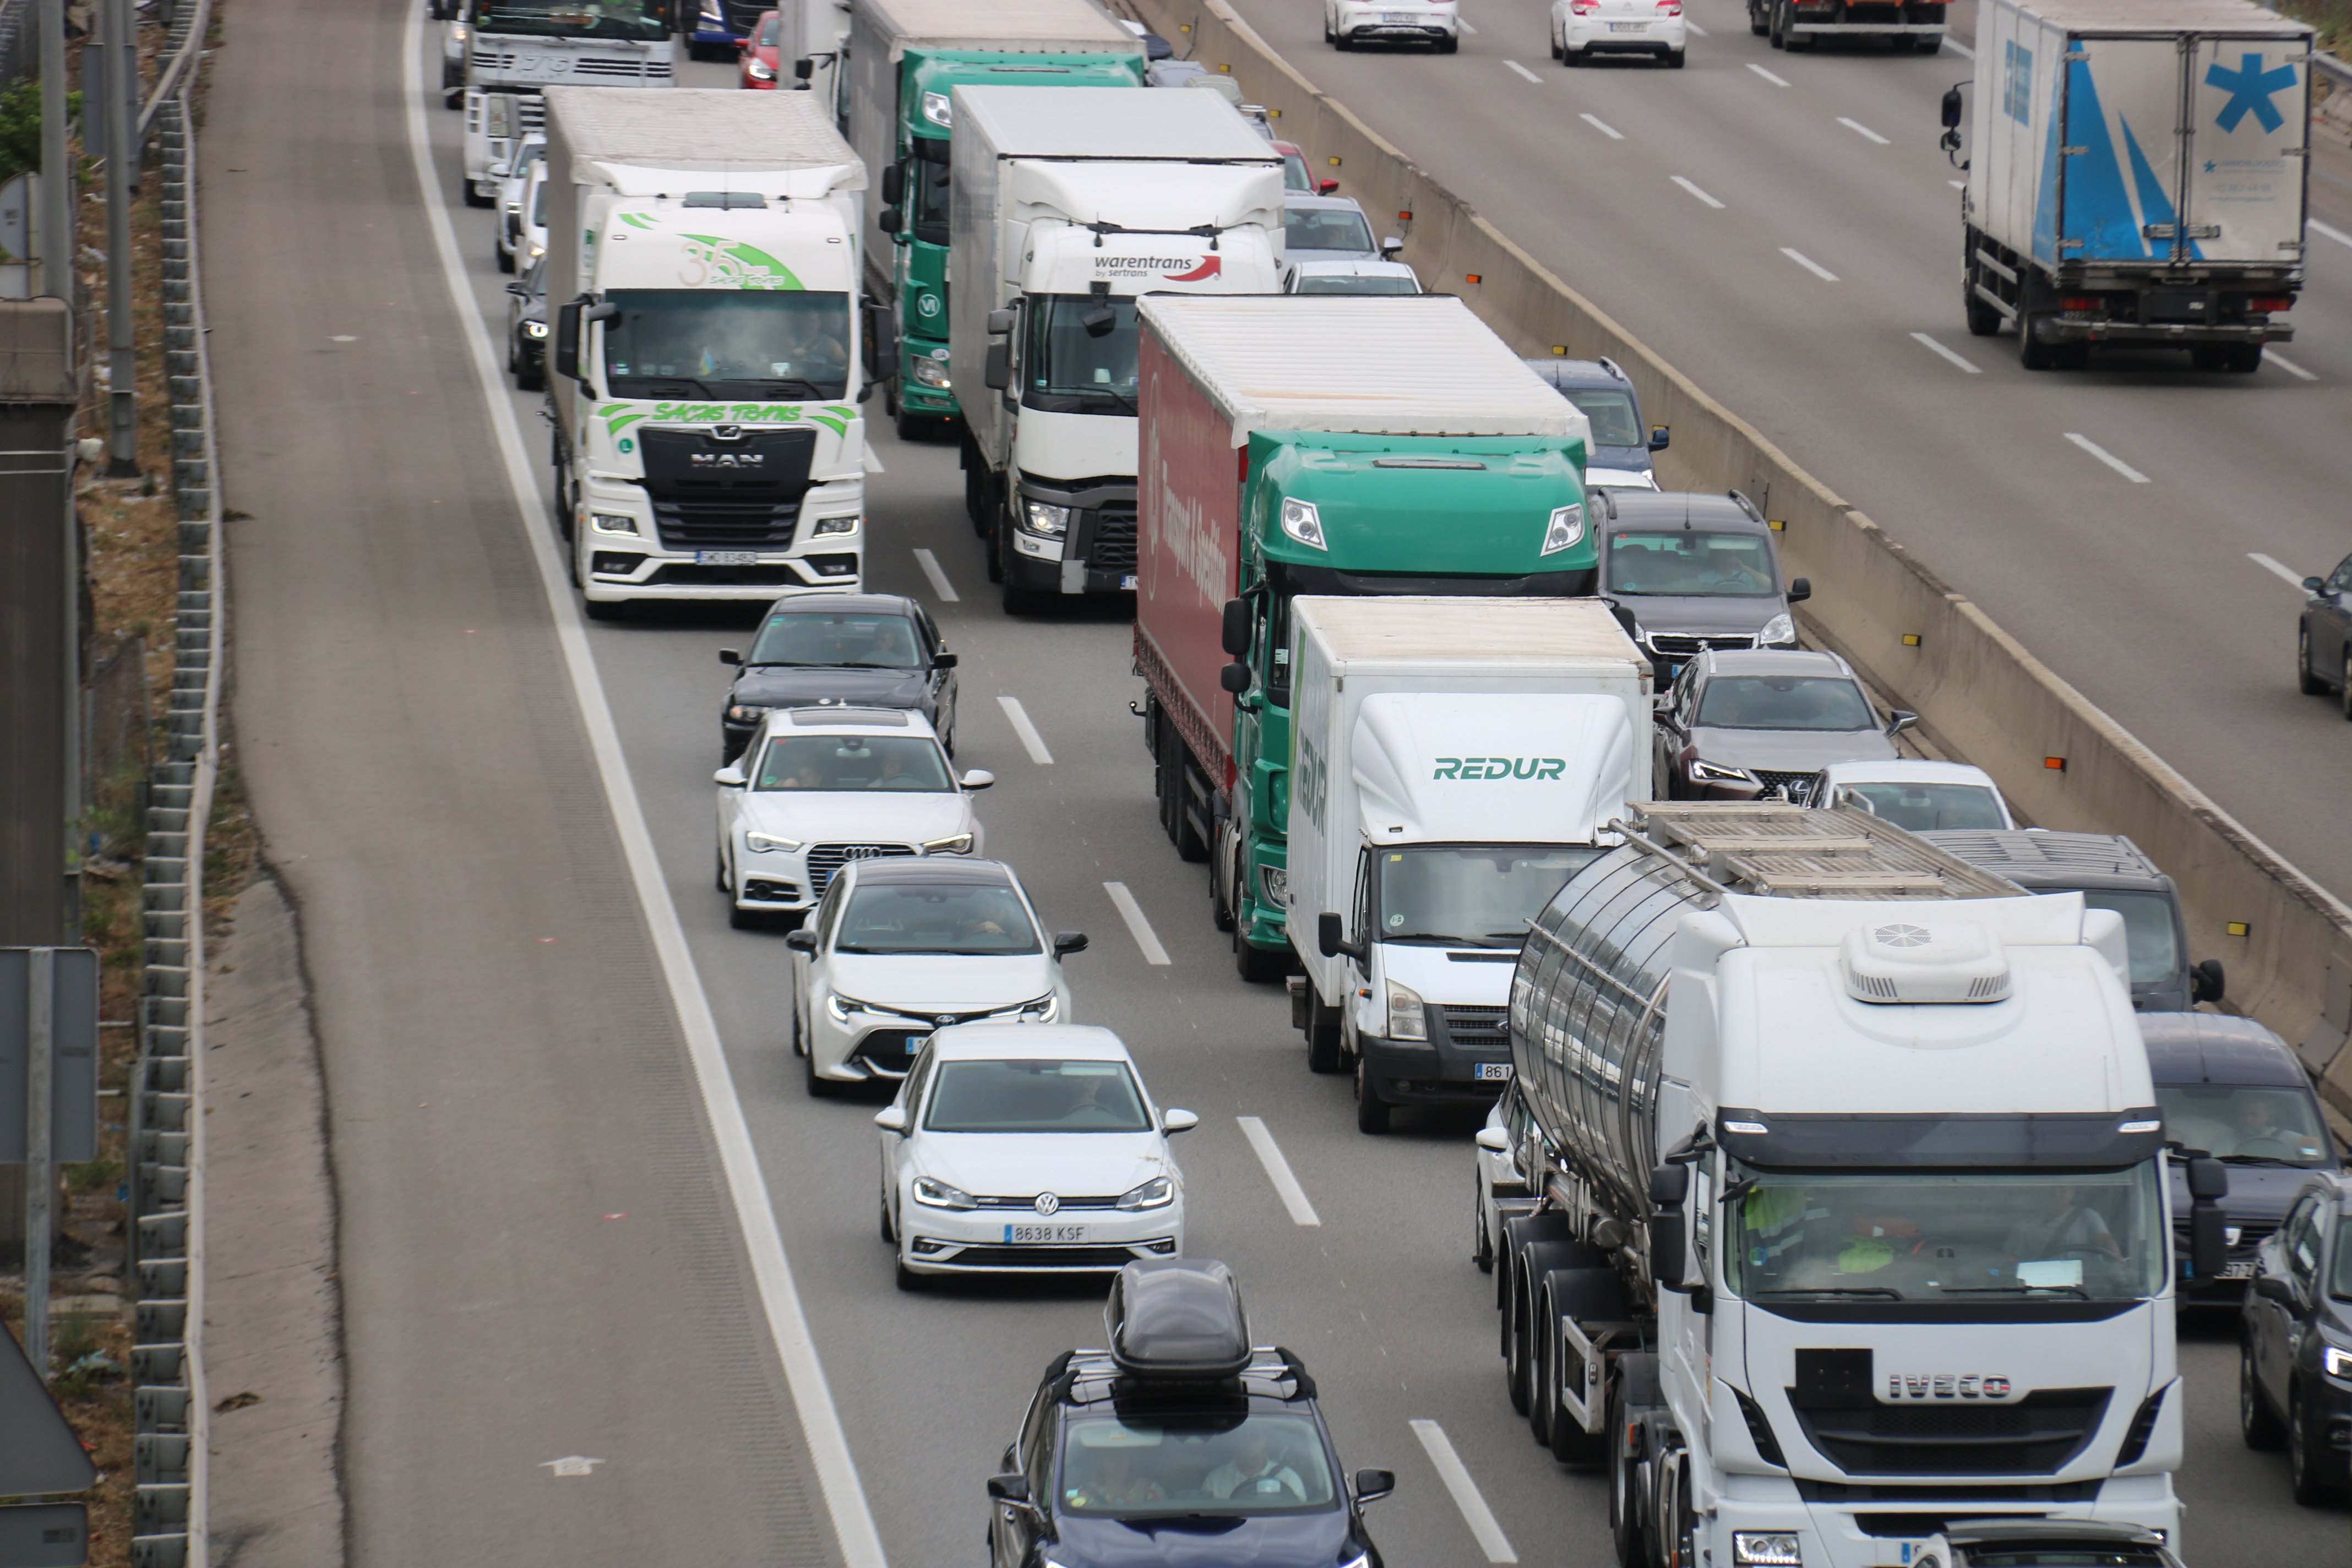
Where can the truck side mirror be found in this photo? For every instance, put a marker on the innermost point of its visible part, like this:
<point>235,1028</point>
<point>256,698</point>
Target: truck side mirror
<point>2205,982</point>
<point>1799,590</point>
<point>996,366</point>
<point>804,69</point>
<point>1951,108</point>
<point>1666,1251</point>
<point>1331,938</point>
<point>1660,436</point>
<point>1000,323</point>
<point>1235,634</point>
<point>2208,1241</point>
<point>567,340</point>
<point>2209,1181</point>
<point>1234,679</point>
<point>885,330</point>
<point>894,191</point>
<point>1670,1185</point>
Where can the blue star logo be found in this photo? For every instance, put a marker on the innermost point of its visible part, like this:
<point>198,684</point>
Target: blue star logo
<point>2250,88</point>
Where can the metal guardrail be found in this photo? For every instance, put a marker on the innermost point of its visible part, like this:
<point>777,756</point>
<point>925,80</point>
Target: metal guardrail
<point>186,44</point>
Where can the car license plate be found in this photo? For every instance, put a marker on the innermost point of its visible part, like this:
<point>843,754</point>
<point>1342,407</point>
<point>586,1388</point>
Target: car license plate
<point>1399,16</point>
<point>1629,27</point>
<point>2241,1270</point>
<point>1127,583</point>
<point>727,557</point>
<point>1493,1071</point>
<point>1045,1235</point>
<point>900,1048</point>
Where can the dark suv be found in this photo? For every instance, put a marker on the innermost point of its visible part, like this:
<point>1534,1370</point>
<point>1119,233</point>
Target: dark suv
<point>1604,394</point>
<point>1180,1444</point>
<point>1686,573</point>
<point>864,650</point>
<point>2294,1369</point>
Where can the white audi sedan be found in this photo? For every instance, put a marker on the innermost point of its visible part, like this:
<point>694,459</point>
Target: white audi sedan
<point>819,787</point>
<point>1027,1149</point>
<point>1583,28</point>
<point>898,948</point>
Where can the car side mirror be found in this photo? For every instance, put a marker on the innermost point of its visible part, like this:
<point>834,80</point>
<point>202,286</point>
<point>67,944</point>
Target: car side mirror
<point>500,171</point>
<point>1661,436</point>
<point>996,366</point>
<point>890,1118</point>
<point>2274,1288</point>
<point>801,941</point>
<point>804,69</point>
<point>1390,247</point>
<point>1066,943</point>
<point>1494,1139</point>
<point>1233,632</point>
<point>894,189</point>
<point>1374,1485</point>
<point>943,660</point>
<point>1799,590</point>
<point>743,46</point>
<point>518,289</point>
<point>1174,1121</point>
<point>1234,679</point>
<point>730,655</point>
<point>1325,187</point>
<point>2205,982</point>
<point>1012,1489</point>
<point>978,779</point>
<point>1902,719</point>
<point>729,777</point>
<point>1662,701</point>
<point>1951,108</point>
<point>2313,584</point>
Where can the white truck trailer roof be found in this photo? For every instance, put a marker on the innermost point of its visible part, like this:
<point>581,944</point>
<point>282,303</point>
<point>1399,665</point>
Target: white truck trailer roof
<point>1399,366</point>
<point>1110,123</point>
<point>2152,17</point>
<point>1078,26</point>
<point>678,129</point>
<point>1377,633</point>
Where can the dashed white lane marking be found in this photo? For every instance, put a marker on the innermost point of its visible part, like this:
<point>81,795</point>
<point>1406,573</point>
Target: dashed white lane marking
<point>939,584</point>
<point>1602,126</point>
<point>2330,231</point>
<point>1937,348</point>
<point>1277,1171</point>
<point>1136,926</point>
<point>1467,27</point>
<point>2110,458</point>
<point>873,463</point>
<point>2281,572</point>
<point>1810,265</point>
<point>1697,192</point>
<point>1031,742</point>
<point>2289,366</point>
<point>1957,184</point>
<point>1959,48</point>
<point>1864,131</point>
<point>1524,71</point>
<point>1767,76</point>
<point>1467,1496</point>
<point>1695,30</point>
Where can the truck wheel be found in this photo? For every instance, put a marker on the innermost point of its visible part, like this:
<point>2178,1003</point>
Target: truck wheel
<point>1255,964</point>
<point>1371,1111</point>
<point>1531,1261</point>
<point>2244,359</point>
<point>1518,1231</point>
<point>1932,44</point>
<point>1776,25</point>
<point>912,427</point>
<point>1984,322</point>
<point>2031,351</point>
<point>1796,43</point>
<point>1543,1374</point>
<point>474,198</point>
<point>1624,1493</point>
<point>1323,1042</point>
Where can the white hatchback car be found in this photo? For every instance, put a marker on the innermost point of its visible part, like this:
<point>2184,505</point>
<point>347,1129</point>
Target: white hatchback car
<point>1352,276</point>
<point>819,787</point>
<point>1028,1149</point>
<point>898,948</point>
<point>1348,23</point>
<point>1916,794</point>
<point>508,244</point>
<point>1583,28</point>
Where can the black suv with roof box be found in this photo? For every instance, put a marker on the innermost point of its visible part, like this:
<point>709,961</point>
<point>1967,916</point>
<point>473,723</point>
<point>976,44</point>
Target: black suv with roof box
<point>1182,1443</point>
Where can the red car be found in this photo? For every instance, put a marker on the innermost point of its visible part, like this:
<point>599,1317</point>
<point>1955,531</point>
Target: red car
<point>1296,176</point>
<point>759,53</point>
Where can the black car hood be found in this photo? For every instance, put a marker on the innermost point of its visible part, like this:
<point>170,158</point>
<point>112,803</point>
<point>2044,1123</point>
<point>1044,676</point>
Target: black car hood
<point>1791,750</point>
<point>787,686</point>
<point>2258,1194</point>
<point>1700,615</point>
<point>1282,1541</point>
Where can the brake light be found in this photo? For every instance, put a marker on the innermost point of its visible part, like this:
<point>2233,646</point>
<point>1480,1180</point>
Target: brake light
<point>2284,303</point>
<point>1671,8</point>
<point>1585,7</point>
<point>2079,302</point>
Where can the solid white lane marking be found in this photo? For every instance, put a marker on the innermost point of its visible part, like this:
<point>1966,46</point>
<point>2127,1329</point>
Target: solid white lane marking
<point>2293,580</point>
<point>2330,230</point>
<point>1467,1496</point>
<point>1697,192</point>
<point>746,1187</point>
<point>1864,131</point>
<point>1695,30</point>
<point>873,463</point>
<point>2289,366</point>
<point>1603,127</point>
<point>2110,458</point>
<point>1277,1171</point>
<point>1959,48</point>
<point>1524,71</point>
<point>1810,265</point>
<point>1767,76</point>
<point>1947,354</point>
<point>1031,742</point>
<point>939,584</point>
<point>1136,926</point>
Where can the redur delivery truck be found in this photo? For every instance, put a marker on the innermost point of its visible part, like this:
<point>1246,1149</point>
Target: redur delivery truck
<point>1853,1207</point>
<point>516,49</point>
<point>1455,761</point>
<point>2137,174</point>
<point>1068,203</point>
<point>906,59</point>
<point>702,253</point>
<point>1318,444</point>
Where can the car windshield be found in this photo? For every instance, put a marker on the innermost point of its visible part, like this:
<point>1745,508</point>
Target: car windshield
<point>1784,703</point>
<point>837,640</point>
<point>1325,228</point>
<point>853,763</point>
<point>646,20</point>
<point>1068,368</point>
<point>964,919</point>
<point>2259,1122</point>
<point>1936,1235</point>
<point>1349,283</point>
<point>1034,1097</point>
<point>751,344</point>
<point>1687,562</point>
<point>1925,807</point>
<point>1471,896</point>
<point>2151,941</point>
<point>1610,413</point>
<point>1175,1462</point>
<point>1295,176</point>
<point>769,28</point>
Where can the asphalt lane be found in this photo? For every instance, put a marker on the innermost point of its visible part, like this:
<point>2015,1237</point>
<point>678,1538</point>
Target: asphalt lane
<point>2143,594</point>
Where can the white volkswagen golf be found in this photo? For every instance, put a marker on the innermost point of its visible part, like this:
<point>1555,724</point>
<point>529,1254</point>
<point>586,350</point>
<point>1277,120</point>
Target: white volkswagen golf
<point>820,787</point>
<point>899,948</point>
<point>1027,1149</point>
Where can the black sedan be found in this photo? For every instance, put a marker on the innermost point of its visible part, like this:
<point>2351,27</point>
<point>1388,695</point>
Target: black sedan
<point>527,328</point>
<point>1755,724</point>
<point>2323,644</point>
<point>2294,1370</point>
<point>867,650</point>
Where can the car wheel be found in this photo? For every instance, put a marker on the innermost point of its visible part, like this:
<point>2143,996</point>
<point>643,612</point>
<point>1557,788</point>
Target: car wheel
<point>739,917</point>
<point>475,198</point>
<point>2343,684</point>
<point>818,1088</point>
<point>2316,1474</point>
<point>606,609</point>
<point>1371,1111</point>
<point>1342,42</point>
<point>1449,45</point>
<point>531,376</point>
<point>2257,1424</point>
<point>505,257</point>
<point>909,1280</point>
<point>1759,21</point>
<point>889,1232</point>
<point>1777,27</point>
<point>2306,680</point>
<point>719,870</point>
<point>1675,60</point>
<point>1573,58</point>
<point>1554,42</point>
<point>1328,36</point>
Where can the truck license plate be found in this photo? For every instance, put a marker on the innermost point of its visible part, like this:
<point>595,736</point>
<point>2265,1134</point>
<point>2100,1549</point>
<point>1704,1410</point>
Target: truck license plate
<point>1045,1234</point>
<point>2241,1270</point>
<point>727,557</point>
<point>1493,1071</point>
<point>1127,583</point>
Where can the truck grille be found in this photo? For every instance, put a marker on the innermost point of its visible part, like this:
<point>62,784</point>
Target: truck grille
<point>824,859</point>
<point>740,493</point>
<point>2035,1436</point>
<point>1478,1025</point>
<point>630,69</point>
<point>1113,548</point>
<point>726,525</point>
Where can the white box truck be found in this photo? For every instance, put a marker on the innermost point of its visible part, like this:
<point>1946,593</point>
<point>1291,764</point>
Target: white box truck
<point>810,36</point>
<point>1067,203</point>
<point>702,255</point>
<point>2136,176</point>
<point>505,54</point>
<point>1854,1215</point>
<point>1456,761</point>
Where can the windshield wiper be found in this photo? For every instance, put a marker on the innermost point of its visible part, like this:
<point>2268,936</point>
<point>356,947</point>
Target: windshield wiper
<point>2076,1290</point>
<point>2261,1160</point>
<point>1886,1291</point>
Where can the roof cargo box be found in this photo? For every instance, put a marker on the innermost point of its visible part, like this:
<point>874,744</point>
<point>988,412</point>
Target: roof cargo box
<point>1177,1317</point>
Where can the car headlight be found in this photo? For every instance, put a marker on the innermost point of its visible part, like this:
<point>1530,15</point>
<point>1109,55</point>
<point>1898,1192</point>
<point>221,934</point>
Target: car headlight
<point>2336,1362</point>
<point>1781,631</point>
<point>1407,1020</point>
<point>763,843</point>
<point>1766,1548</point>
<point>932,372</point>
<point>534,330</point>
<point>1709,773</point>
<point>840,1007</point>
<point>1155,1194</point>
<point>1567,527</point>
<point>936,110</point>
<point>745,713</point>
<point>1276,883</point>
<point>953,843</point>
<point>1304,523</point>
<point>612,522</point>
<point>933,1192</point>
<point>1044,518</point>
<point>1361,1560</point>
<point>826,525</point>
<point>760,70</point>
<point>1042,1010</point>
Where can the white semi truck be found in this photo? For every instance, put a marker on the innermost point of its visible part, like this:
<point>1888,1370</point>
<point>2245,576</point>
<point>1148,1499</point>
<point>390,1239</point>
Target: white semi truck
<point>513,50</point>
<point>1068,203</point>
<point>1457,760</point>
<point>1853,1210</point>
<point>703,259</point>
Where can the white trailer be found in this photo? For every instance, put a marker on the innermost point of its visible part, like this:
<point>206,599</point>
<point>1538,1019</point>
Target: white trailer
<point>2138,172</point>
<point>1067,203</point>
<point>1456,761</point>
<point>703,257</point>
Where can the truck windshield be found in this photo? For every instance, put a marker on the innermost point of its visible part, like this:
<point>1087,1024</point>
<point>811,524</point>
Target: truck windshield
<point>645,20</point>
<point>928,187</point>
<point>1068,370</point>
<point>751,344</point>
<point>1683,563</point>
<point>1944,1235</point>
<point>2151,942</point>
<point>2256,1124</point>
<point>1471,895</point>
<point>1202,1465</point>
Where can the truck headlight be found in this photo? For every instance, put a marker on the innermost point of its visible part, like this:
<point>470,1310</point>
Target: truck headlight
<point>931,372</point>
<point>935,110</point>
<point>535,330</point>
<point>1766,1548</point>
<point>826,525</point>
<point>1303,523</point>
<point>933,1192</point>
<point>1155,1194</point>
<point>1044,518</point>
<point>1276,883</point>
<point>1407,1018</point>
<point>612,522</point>
<point>1566,528</point>
<point>1709,773</point>
<point>1781,631</point>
